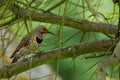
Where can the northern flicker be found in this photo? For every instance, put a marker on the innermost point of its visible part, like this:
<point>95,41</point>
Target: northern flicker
<point>29,43</point>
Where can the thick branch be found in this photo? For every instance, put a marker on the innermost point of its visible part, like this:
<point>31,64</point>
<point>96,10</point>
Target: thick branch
<point>66,52</point>
<point>68,21</point>
<point>52,55</point>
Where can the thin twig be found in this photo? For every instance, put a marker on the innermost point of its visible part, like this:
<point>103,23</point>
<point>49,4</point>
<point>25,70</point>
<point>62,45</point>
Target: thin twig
<point>8,22</point>
<point>55,6</point>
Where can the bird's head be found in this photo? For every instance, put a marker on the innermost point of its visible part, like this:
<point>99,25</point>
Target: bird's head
<point>40,30</point>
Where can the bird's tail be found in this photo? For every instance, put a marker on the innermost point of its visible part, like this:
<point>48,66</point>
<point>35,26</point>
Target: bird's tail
<point>12,56</point>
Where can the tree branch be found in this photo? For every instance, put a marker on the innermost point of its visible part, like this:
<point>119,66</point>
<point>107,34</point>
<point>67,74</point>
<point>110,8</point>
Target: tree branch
<point>68,21</point>
<point>66,52</point>
<point>8,22</point>
<point>52,55</point>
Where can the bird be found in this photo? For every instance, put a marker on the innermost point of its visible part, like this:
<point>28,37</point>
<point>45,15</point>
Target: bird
<point>29,43</point>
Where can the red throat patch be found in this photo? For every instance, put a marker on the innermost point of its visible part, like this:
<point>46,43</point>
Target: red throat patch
<point>42,33</point>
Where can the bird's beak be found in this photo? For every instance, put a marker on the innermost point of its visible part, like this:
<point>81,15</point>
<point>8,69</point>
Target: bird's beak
<point>50,33</point>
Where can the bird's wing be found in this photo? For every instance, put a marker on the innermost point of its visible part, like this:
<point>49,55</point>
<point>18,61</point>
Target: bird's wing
<point>24,42</point>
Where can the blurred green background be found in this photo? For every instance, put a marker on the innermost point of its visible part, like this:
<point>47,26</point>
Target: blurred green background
<point>78,68</point>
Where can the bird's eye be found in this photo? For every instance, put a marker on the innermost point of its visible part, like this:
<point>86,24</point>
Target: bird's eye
<point>44,29</point>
